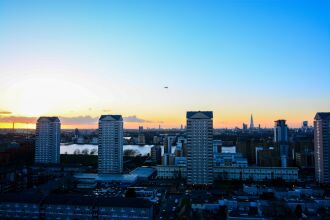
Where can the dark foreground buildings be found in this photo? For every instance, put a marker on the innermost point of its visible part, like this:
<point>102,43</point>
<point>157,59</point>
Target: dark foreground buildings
<point>35,206</point>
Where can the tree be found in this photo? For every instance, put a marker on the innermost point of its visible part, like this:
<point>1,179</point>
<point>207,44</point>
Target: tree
<point>130,193</point>
<point>298,211</point>
<point>93,151</point>
<point>130,153</point>
<point>84,151</point>
<point>222,212</point>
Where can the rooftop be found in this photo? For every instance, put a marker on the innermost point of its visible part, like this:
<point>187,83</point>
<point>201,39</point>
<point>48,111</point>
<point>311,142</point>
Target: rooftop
<point>30,198</point>
<point>74,199</point>
<point>199,114</point>
<point>322,116</point>
<point>69,199</point>
<point>123,202</point>
<point>143,171</point>
<point>107,177</point>
<point>51,119</point>
<point>111,117</point>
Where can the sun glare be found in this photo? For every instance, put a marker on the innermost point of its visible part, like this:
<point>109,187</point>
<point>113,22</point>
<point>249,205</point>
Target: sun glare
<point>45,96</point>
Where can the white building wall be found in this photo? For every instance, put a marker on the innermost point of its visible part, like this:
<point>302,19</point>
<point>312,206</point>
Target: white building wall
<point>48,139</point>
<point>110,150</point>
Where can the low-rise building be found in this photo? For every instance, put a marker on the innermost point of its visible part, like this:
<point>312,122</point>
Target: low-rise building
<point>20,206</point>
<point>144,173</point>
<point>288,174</point>
<point>180,161</point>
<point>156,154</point>
<point>230,160</point>
<point>124,208</point>
<point>68,206</point>
<point>171,172</point>
<point>90,180</point>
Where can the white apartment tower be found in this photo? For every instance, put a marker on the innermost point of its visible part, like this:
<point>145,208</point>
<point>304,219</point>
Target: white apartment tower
<point>48,139</point>
<point>110,151</point>
<point>199,147</point>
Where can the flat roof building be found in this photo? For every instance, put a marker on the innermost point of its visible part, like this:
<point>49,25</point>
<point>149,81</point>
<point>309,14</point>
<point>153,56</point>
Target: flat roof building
<point>200,147</point>
<point>322,146</point>
<point>110,150</point>
<point>48,139</point>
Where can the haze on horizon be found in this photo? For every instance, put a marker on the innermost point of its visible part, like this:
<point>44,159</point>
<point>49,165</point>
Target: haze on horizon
<point>82,59</point>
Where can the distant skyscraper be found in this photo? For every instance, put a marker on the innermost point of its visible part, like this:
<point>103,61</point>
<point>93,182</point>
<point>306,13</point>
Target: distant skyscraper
<point>199,147</point>
<point>251,122</point>
<point>156,154</point>
<point>48,139</point>
<point>322,146</point>
<point>305,124</point>
<point>281,139</point>
<point>217,146</point>
<point>170,140</point>
<point>110,151</point>
<point>141,137</point>
<point>244,127</point>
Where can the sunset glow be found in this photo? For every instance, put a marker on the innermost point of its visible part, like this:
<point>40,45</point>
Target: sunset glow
<point>81,60</point>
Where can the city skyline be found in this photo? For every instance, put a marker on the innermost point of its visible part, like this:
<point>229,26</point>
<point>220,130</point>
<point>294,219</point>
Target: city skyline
<point>80,61</point>
<point>130,122</point>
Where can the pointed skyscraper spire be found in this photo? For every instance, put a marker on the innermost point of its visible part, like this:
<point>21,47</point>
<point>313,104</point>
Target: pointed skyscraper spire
<point>251,122</point>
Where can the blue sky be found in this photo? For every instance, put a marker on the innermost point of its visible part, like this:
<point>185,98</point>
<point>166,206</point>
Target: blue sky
<point>269,58</point>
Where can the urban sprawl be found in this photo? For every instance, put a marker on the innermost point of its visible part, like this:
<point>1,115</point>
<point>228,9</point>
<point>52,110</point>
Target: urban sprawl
<point>195,172</point>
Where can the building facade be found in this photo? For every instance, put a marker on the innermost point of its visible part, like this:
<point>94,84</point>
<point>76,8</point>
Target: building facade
<point>230,160</point>
<point>200,147</point>
<point>48,139</point>
<point>322,147</point>
<point>288,174</point>
<point>141,138</point>
<point>110,150</point>
<point>34,206</point>
<point>281,140</point>
<point>251,122</point>
<point>171,172</point>
<point>156,154</point>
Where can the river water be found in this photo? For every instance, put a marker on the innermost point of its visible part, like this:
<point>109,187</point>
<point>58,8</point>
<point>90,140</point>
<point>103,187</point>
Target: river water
<point>143,150</point>
<point>71,148</point>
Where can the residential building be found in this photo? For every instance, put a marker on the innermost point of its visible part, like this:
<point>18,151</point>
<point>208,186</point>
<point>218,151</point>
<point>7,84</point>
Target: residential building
<point>322,146</point>
<point>247,147</point>
<point>171,172</point>
<point>110,150</point>
<point>244,127</point>
<point>288,174</point>
<point>266,157</point>
<point>156,154</point>
<point>168,159</point>
<point>168,142</point>
<point>281,140</point>
<point>230,160</point>
<point>200,148</point>
<point>141,137</point>
<point>217,146</point>
<point>20,206</point>
<point>48,139</point>
<point>60,206</point>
